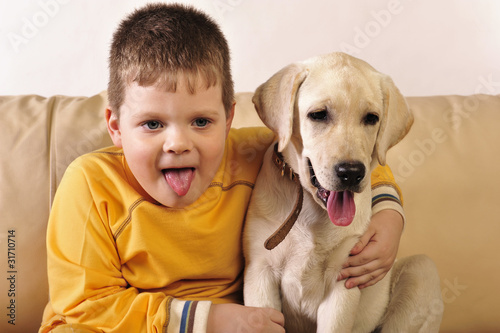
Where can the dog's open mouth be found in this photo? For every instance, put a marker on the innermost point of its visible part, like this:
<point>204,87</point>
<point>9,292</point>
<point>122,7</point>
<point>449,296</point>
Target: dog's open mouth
<point>339,205</point>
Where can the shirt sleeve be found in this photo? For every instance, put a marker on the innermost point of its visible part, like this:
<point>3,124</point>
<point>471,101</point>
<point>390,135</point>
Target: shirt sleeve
<point>386,194</point>
<point>84,270</point>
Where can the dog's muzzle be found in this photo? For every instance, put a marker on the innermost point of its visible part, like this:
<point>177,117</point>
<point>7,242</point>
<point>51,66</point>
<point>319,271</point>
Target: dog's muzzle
<point>349,175</point>
<point>340,202</point>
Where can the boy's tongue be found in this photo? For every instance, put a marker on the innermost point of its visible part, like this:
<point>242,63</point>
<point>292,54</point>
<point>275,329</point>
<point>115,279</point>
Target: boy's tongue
<point>179,179</point>
<point>341,208</point>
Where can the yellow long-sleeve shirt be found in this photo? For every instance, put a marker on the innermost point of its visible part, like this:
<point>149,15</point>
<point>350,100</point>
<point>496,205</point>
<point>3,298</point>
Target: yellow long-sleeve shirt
<point>120,262</point>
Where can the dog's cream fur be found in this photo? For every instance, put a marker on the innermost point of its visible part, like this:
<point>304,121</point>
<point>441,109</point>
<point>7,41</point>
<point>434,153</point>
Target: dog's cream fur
<point>299,276</point>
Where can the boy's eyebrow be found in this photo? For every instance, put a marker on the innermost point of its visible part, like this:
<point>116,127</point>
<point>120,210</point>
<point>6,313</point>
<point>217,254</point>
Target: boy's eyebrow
<point>141,114</point>
<point>206,113</point>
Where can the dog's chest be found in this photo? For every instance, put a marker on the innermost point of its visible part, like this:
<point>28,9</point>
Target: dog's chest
<point>315,255</point>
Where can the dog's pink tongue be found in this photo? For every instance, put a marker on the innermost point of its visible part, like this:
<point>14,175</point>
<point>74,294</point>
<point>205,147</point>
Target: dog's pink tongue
<point>341,208</point>
<point>179,179</point>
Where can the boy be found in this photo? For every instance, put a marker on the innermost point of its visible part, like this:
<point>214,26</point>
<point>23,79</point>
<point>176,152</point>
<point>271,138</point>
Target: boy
<point>146,236</point>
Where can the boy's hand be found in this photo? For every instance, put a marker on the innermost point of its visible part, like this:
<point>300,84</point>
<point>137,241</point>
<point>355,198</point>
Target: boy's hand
<point>373,256</point>
<point>234,318</point>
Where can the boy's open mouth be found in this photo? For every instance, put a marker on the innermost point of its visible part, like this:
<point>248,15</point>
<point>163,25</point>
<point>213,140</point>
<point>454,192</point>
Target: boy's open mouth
<point>339,205</point>
<point>179,179</point>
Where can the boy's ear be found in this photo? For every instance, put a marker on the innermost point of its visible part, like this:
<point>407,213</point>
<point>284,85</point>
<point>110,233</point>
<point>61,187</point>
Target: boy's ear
<point>229,119</point>
<point>113,125</point>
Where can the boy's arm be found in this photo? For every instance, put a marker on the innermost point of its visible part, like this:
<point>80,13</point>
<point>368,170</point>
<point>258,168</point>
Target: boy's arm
<point>85,277</point>
<point>386,194</point>
<point>373,256</point>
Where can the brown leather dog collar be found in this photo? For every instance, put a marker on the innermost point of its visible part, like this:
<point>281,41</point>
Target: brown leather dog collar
<point>279,235</point>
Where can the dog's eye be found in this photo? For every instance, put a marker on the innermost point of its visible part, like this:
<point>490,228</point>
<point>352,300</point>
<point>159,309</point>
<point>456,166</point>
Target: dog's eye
<point>320,115</point>
<point>370,119</point>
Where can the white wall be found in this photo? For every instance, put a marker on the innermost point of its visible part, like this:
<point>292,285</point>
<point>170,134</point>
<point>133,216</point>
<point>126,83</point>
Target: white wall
<point>428,46</point>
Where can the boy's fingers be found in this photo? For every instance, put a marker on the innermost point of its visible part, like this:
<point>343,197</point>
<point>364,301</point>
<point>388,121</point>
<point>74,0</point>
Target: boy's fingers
<point>275,316</point>
<point>368,255</point>
<point>365,280</point>
<point>359,270</point>
<point>363,241</point>
<point>278,318</point>
<point>372,281</point>
<point>359,267</point>
<point>357,248</point>
<point>265,320</point>
<point>361,244</point>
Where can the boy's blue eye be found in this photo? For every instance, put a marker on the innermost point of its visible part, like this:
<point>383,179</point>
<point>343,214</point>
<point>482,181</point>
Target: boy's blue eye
<point>201,122</point>
<point>153,124</point>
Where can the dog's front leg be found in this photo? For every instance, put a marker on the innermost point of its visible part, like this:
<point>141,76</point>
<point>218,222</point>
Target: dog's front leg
<point>337,311</point>
<point>261,286</point>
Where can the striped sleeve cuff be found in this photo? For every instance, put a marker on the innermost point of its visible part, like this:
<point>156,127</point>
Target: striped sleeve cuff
<point>387,197</point>
<point>187,316</point>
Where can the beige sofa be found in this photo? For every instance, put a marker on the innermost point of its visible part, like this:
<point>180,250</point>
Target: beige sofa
<point>447,167</point>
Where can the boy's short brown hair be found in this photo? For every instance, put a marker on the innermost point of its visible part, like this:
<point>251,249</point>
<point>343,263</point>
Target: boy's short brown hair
<point>159,42</point>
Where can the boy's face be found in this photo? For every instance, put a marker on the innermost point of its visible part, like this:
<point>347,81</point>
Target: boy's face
<point>173,141</point>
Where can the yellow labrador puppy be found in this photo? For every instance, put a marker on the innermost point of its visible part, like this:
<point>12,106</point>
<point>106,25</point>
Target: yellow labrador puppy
<point>335,117</point>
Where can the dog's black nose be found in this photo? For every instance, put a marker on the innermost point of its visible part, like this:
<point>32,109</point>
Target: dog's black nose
<point>350,173</point>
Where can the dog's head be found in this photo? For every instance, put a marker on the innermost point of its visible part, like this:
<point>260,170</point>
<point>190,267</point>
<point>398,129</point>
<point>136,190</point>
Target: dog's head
<point>342,116</point>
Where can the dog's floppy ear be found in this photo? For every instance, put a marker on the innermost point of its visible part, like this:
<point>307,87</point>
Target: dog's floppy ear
<point>396,119</point>
<point>275,100</point>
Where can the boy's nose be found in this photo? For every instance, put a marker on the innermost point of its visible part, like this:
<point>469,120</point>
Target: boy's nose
<point>177,141</point>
